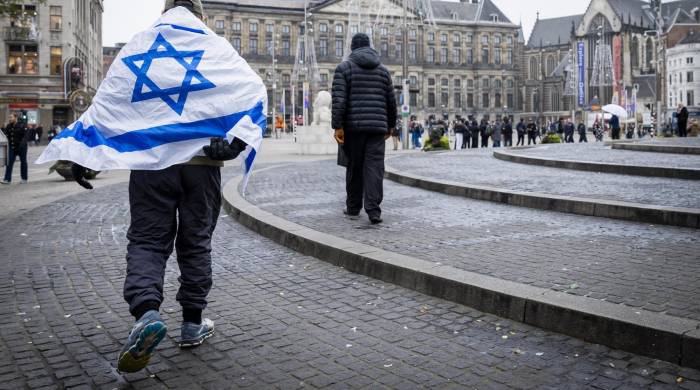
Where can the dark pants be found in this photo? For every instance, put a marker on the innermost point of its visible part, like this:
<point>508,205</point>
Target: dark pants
<point>682,129</point>
<point>531,138</point>
<point>521,140</point>
<point>176,206</point>
<point>475,140</point>
<point>508,140</point>
<point>466,141</point>
<point>582,137</point>
<point>484,141</point>
<point>615,134</point>
<point>11,157</point>
<point>365,172</point>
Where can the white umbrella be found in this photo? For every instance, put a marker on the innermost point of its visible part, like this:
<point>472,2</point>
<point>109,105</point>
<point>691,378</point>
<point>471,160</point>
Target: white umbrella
<point>616,110</point>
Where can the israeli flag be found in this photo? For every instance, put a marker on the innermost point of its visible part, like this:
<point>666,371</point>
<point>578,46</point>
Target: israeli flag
<point>171,89</point>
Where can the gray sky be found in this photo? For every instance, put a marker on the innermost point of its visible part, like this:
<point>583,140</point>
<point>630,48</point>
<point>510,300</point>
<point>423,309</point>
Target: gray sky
<point>124,18</point>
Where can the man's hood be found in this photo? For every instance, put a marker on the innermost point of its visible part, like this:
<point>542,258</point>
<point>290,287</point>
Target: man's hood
<point>365,57</point>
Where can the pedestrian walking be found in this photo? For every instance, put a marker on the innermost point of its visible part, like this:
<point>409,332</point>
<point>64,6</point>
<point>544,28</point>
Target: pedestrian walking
<point>521,129</point>
<point>474,131</point>
<point>364,108</point>
<point>507,133</point>
<point>582,132</point>
<point>484,129</point>
<point>416,130</point>
<point>569,132</point>
<point>682,120</point>
<point>497,133</point>
<point>460,131</point>
<point>467,141</point>
<point>615,126</point>
<point>39,134</point>
<point>532,133</point>
<point>16,134</point>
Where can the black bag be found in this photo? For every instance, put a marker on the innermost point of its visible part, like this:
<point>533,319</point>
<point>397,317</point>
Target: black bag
<point>342,157</point>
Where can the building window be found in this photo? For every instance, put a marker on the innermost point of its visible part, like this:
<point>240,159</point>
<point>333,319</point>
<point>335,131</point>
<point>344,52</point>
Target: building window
<point>323,27</point>
<point>497,100</point>
<point>412,51</point>
<point>509,102</point>
<point>497,56</point>
<point>484,83</point>
<point>236,42</point>
<point>443,55</point>
<point>509,83</point>
<point>689,60</point>
<point>253,46</point>
<point>338,28</point>
<point>509,57</point>
<point>324,78</point>
<point>286,29</point>
<point>497,39</point>
<point>550,66</point>
<point>634,52</point>
<point>470,55</point>
<point>494,18</point>
<point>470,100</point>
<point>412,33</point>
<point>384,31</point>
<point>353,30</point>
<point>443,38</point>
<point>485,103</point>
<point>689,77</point>
<point>285,48</point>
<point>485,55</point>
<point>253,27</point>
<point>22,59</point>
<point>398,50</point>
<point>56,18</point>
<point>533,68</point>
<point>236,27</point>
<point>414,81</point>
<point>457,83</point>
<point>484,39</point>
<point>269,28</point>
<point>431,36</point>
<point>430,55</point>
<point>384,49</point>
<point>456,38</point>
<point>444,99</point>
<point>339,48</point>
<point>268,46</point>
<point>470,38</point>
<point>431,99</point>
<point>509,39</point>
<point>323,47</point>
<point>497,84</point>
<point>690,98</point>
<point>444,83</point>
<point>457,56</point>
<point>219,24</point>
<point>56,60</point>
<point>431,82</point>
<point>458,100</point>
<point>650,53</point>
<point>470,83</point>
<point>413,96</point>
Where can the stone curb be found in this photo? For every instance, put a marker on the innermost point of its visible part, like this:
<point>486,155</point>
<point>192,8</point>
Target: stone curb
<point>676,149</point>
<point>659,336</point>
<point>660,215</point>
<point>635,170</point>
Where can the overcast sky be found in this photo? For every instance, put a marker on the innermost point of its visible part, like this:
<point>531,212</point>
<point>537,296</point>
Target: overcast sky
<point>124,18</point>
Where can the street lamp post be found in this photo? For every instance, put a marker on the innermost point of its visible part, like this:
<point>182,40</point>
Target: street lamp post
<point>405,86</point>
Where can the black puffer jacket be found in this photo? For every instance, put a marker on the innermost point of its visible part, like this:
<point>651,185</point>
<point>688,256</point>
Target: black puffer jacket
<point>363,95</point>
<point>16,134</point>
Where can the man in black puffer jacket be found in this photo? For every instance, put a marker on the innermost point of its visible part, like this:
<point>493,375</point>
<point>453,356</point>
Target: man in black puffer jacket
<point>364,115</point>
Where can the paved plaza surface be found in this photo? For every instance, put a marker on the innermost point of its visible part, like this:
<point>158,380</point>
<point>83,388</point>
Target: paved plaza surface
<point>598,152</point>
<point>283,320</point>
<point>673,141</point>
<point>479,167</point>
<point>644,266</point>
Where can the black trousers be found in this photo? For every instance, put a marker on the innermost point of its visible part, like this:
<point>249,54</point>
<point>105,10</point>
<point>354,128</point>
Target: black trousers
<point>582,137</point>
<point>521,139</point>
<point>475,140</point>
<point>484,141</point>
<point>364,178</point>
<point>177,206</point>
<point>615,134</point>
<point>531,138</point>
<point>682,129</point>
<point>466,141</point>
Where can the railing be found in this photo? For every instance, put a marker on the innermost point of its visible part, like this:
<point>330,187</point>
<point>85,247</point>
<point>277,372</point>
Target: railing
<point>20,34</point>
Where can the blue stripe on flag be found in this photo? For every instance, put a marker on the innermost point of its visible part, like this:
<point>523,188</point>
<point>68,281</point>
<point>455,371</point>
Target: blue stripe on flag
<point>183,28</point>
<point>249,161</point>
<point>145,139</point>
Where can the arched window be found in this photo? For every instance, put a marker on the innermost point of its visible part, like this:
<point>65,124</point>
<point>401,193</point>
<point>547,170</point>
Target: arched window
<point>551,64</point>
<point>555,101</point>
<point>497,83</point>
<point>634,52</point>
<point>533,68</point>
<point>649,53</point>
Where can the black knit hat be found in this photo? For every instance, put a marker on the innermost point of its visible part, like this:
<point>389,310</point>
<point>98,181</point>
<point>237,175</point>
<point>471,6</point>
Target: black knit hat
<point>359,40</point>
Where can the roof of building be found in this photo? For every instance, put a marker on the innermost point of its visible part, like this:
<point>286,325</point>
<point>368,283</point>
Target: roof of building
<point>632,12</point>
<point>647,86</point>
<point>286,4</point>
<point>468,12</point>
<point>670,10</point>
<point>561,67</point>
<point>553,31</point>
<point>692,37</point>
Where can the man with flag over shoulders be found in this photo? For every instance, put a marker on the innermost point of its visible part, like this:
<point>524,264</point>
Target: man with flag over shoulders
<point>175,153</point>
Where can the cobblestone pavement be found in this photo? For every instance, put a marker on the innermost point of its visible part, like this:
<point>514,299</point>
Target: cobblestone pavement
<point>283,320</point>
<point>470,167</point>
<point>604,154</point>
<point>650,267</point>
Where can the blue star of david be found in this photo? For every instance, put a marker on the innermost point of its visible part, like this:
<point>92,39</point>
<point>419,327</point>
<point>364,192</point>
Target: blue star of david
<point>167,94</point>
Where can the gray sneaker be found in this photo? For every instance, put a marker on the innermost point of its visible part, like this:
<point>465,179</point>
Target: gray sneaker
<point>148,331</point>
<point>194,334</point>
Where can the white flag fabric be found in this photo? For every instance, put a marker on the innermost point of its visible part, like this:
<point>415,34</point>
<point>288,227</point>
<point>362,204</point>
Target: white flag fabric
<point>170,89</point>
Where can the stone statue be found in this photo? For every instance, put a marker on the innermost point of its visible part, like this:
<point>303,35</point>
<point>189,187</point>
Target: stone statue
<point>322,109</point>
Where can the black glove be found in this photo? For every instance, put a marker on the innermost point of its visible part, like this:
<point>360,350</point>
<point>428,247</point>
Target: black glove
<point>221,150</point>
<point>78,172</point>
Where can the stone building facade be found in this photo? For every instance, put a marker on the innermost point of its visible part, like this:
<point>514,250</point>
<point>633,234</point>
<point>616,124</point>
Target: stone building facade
<point>465,64</point>
<point>683,66</point>
<point>39,48</point>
